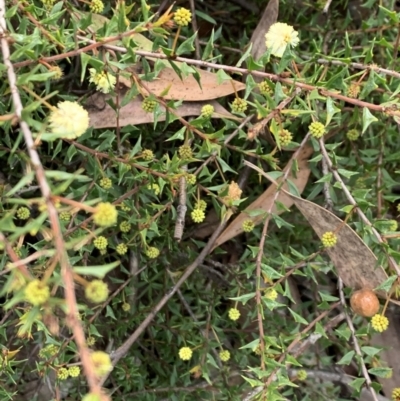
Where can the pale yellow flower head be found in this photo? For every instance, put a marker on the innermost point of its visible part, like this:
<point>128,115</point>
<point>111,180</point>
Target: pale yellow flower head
<point>104,81</point>
<point>69,120</point>
<point>279,36</point>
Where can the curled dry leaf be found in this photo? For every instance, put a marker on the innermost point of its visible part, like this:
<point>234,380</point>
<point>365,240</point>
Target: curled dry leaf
<point>171,87</point>
<point>355,263</point>
<point>102,115</point>
<point>265,200</point>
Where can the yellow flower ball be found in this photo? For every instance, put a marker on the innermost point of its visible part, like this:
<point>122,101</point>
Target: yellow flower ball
<point>152,252</point>
<point>23,213</point>
<point>74,371</point>
<point>96,291</point>
<point>185,353</point>
<point>100,242</point>
<point>69,120</point>
<point>90,341</point>
<point>191,179</point>
<point>207,111</point>
<point>149,105</point>
<point>155,188</point>
<point>48,351</point>
<point>58,72</point>
<point>102,363</point>
<point>201,204</point>
<point>353,135</point>
<point>105,214</point>
<point>147,155</point>
<point>93,397</point>
<point>96,6</point>
<point>302,375</point>
<point>185,152</point>
<point>285,137</point>
<point>182,17</point>
<point>379,323</point>
<point>248,226</point>
<point>198,215</point>
<point>121,249</point>
<point>265,89</point>
<point>62,373</point>
<point>396,394</point>
<point>329,239</point>
<point>125,226</point>
<point>104,81</point>
<point>105,183</point>
<point>225,355</point>
<point>353,90</point>
<point>234,314</point>
<point>270,293</point>
<point>239,105</point>
<point>317,129</point>
<point>65,216</point>
<point>37,293</point>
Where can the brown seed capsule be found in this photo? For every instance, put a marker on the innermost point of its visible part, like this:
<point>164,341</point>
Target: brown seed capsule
<point>365,303</point>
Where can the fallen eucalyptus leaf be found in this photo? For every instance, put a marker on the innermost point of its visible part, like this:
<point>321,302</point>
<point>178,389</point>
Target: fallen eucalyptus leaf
<point>263,202</point>
<point>354,261</point>
<point>188,89</point>
<point>102,115</point>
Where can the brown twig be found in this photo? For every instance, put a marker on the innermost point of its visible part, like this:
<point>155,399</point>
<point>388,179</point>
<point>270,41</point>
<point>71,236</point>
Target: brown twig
<point>66,271</point>
<point>379,194</point>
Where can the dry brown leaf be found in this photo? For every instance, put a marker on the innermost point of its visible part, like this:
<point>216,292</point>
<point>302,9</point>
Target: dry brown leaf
<point>264,201</point>
<point>188,89</point>
<point>355,263</point>
<point>102,115</point>
<point>269,17</point>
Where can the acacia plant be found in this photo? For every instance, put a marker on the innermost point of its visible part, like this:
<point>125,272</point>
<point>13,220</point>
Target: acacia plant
<point>199,203</point>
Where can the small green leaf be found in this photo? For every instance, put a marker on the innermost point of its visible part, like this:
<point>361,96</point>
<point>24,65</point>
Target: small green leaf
<point>25,180</point>
<point>186,46</point>
<point>244,298</point>
<point>252,382</point>
<point>222,76</point>
<point>209,47</point>
<point>180,135</point>
<point>387,284</point>
<point>331,110</point>
<point>371,351</point>
<point>346,173</point>
<point>380,372</point>
<point>325,178</point>
<point>367,119</point>
<point>224,165</point>
<point>96,271</point>
<point>357,383</point>
<point>298,318</point>
<point>346,359</point>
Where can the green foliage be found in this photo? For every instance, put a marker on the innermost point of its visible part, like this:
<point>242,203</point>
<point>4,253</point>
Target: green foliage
<point>102,217</point>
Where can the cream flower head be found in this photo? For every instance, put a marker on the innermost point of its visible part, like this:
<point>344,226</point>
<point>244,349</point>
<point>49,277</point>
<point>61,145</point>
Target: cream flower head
<point>69,120</point>
<point>279,36</point>
<point>104,81</point>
